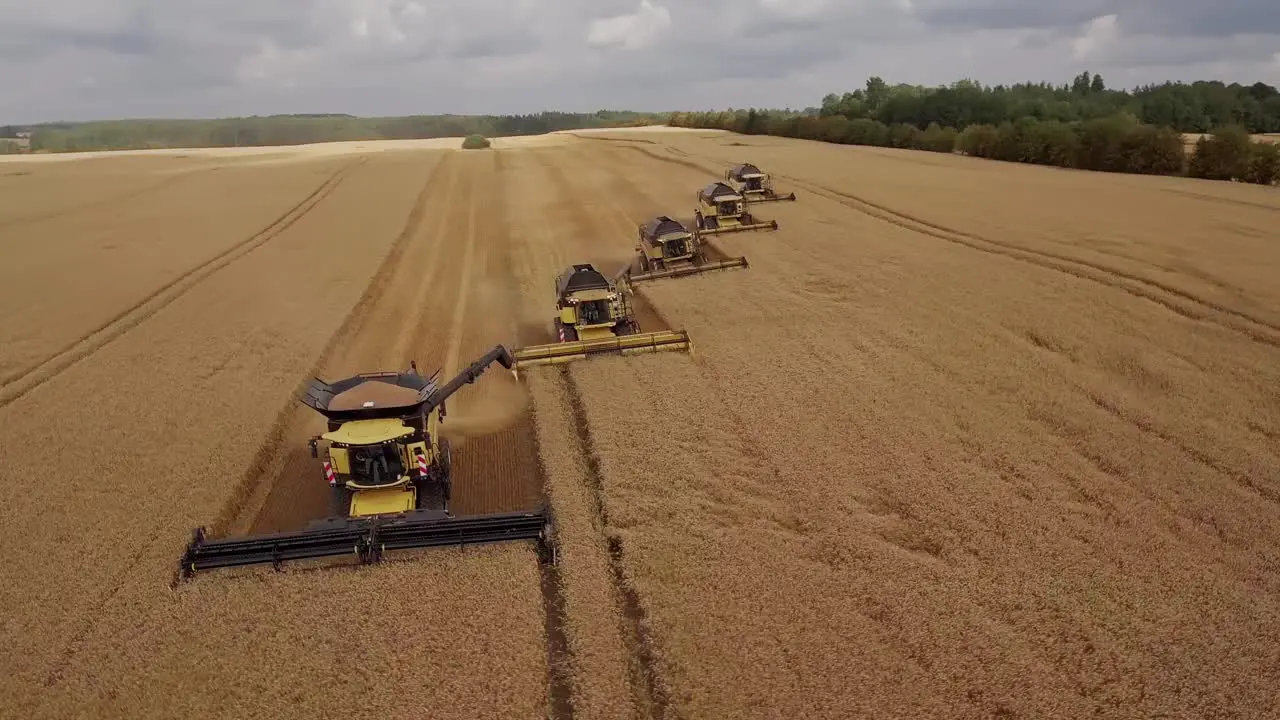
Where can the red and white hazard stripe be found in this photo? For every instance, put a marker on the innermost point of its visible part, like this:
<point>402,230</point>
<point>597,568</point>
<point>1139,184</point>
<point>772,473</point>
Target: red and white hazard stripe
<point>422,463</point>
<point>328,473</point>
<point>561,332</point>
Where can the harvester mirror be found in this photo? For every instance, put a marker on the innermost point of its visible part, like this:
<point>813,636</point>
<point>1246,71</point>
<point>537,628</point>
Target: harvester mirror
<point>312,444</point>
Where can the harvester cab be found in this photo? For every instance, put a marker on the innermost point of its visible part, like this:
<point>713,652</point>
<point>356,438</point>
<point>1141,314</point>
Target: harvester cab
<point>721,209</point>
<point>382,453</point>
<point>389,473</point>
<point>754,184</point>
<point>668,249</point>
<point>594,315</point>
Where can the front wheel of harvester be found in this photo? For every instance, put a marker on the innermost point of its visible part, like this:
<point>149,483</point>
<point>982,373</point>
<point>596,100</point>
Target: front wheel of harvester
<point>340,501</point>
<point>627,327</point>
<point>565,333</point>
<point>446,474</point>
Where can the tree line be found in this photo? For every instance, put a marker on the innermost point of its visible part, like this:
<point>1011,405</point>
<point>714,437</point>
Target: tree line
<point>1081,125</point>
<point>271,130</point>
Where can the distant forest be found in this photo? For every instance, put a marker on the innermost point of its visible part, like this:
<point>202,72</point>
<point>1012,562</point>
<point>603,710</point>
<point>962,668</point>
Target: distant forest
<point>141,134</point>
<point>1082,124</point>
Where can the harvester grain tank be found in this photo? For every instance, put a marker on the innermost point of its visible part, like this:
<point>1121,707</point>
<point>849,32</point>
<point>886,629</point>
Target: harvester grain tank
<point>594,316</point>
<point>755,185</point>
<point>390,475</point>
<point>721,209</point>
<point>668,249</point>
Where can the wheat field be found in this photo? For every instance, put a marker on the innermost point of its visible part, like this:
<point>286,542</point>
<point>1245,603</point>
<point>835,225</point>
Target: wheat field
<point>968,439</point>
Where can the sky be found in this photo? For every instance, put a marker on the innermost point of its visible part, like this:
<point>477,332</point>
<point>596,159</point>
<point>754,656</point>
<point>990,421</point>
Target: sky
<point>102,59</point>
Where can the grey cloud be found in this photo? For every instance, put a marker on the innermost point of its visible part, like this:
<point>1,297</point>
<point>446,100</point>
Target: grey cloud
<point>1011,14</point>
<point>1199,18</point>
<point>219,57</point>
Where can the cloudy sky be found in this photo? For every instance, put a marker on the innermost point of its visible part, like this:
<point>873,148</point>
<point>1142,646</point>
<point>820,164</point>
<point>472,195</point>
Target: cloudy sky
<point>89,59</point>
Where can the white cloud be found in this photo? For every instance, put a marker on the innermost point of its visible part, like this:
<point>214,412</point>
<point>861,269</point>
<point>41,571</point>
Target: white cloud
<point>632,31</point>
<point>1100,34</point>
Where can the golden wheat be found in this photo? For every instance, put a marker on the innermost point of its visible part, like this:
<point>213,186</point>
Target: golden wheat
<point>968,439</point>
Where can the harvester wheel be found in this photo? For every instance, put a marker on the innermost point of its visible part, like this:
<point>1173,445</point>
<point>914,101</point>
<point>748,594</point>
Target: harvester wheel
<point>435,489</point>
<point>341,501</point>
<point>565,333</point>
<point>446,473</point>
<point>627,327</point>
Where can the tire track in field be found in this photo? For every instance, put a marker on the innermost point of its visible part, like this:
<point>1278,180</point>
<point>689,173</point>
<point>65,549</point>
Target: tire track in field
<point>1173,299</point>
<point>647,313</point>
<point>278,491</point>
<point>591,227</point>
<point>629,188</point>
<point>497,466</point>
<point>1177,301</point>
<point>125,196</point>
<point>647,684</point>
<point>16,386</point>
<point>269,453</point>
<point>539,253</point>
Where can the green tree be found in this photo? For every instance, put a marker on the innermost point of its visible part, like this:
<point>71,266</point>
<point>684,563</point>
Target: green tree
<point>1223,155</point>
<point>1264,164</point>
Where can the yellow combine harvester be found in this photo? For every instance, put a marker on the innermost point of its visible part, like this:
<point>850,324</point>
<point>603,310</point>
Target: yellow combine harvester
<point>667,249</point>
<point>721,209</point>
<point>754,184</point>
<point>389,472</point>
<point>594,316</point>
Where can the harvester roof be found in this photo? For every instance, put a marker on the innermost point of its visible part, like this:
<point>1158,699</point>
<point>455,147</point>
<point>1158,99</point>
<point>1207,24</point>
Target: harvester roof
<point>719,191</point>
<point>369,432</point>
<point>663,225</point>
<point>369,395</point>
<point>581,277</point>
<point>740,171</point>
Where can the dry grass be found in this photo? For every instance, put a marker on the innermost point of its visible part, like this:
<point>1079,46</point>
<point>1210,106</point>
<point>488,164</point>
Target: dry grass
<point>118,245</point>
<point>967,440</point>
<point>173,411</point>
<point>455,635</point>
<point>951,475</point>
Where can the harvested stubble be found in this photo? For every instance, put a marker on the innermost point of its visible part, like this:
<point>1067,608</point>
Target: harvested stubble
<point>944,481</point>
<point>599,657</point>
<point>153,432</point>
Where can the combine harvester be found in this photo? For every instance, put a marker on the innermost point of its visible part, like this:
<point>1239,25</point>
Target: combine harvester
<point>721,209</point>
<point>594,316</point>
<point>754,184</point>
<point>666,249</point>
<point>390,474</point>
